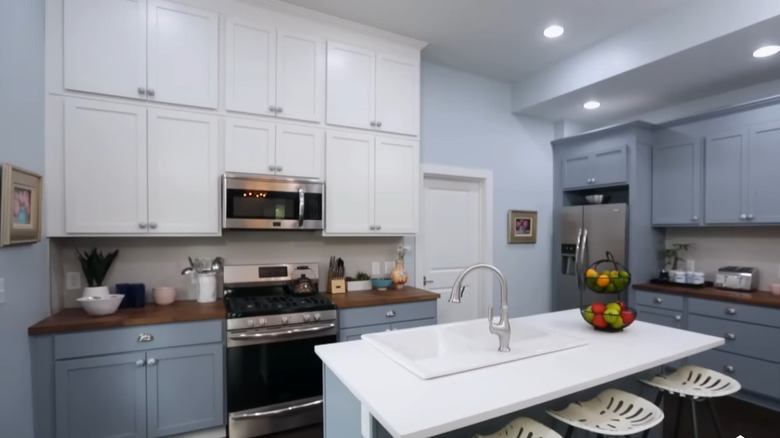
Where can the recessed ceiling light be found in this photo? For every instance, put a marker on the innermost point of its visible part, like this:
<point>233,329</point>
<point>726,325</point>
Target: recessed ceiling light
<point>553,31</point>
<point>591,105</point>
<point>763,52</point>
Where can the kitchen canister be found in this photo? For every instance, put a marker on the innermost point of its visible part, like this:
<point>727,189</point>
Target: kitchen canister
<point>694,277</point>
<point>677,276</point>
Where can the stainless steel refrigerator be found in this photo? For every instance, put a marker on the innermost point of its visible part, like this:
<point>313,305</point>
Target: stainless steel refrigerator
<point>587,232</point>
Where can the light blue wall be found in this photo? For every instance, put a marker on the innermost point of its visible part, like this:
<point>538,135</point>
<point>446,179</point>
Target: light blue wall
<point>23,267</point>
<point>467,122</point>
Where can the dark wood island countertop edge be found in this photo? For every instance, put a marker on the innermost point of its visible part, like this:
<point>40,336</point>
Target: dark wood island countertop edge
<point>757,298</point>
<point>369,298</point>
<point>75,319</point>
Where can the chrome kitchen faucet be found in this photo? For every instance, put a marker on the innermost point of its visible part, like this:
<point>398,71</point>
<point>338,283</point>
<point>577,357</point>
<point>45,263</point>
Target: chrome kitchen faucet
<point>502,329</point>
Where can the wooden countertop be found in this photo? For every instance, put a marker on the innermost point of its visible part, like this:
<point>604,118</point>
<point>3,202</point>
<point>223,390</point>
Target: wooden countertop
<point>73,319</point>
<point>379,297</point>
<point>758,298</point>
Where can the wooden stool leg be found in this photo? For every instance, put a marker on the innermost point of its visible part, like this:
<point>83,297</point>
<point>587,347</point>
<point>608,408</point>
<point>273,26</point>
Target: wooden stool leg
<point>715,418</point>
<point>680,402</point>
<point>694,423</point>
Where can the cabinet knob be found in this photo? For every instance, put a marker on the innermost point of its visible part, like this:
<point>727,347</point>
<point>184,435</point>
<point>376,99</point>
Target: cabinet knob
<point>279,110</point>
<point>150,92</point>
<point>658,300</point>
<point>278,168</point>
<point>141,90</point>
<point>151,362</point>
<point>378,227</point>
<point>731,311</point>
<point>372,227</point>
<point>372,123</point>
<point>730,337</point>
<point>145,337</point>
<point>390,313</point>
<point>743,216</point>
<point>378,124</point>
<point>695,218</point>
<point>750,217</point>
<point>729,369</point>
<point>140,363</point>
<point>142,225</point>
<point>272,109</point>
<point>593,180</point>
<point>153,225</point>
<point>271,168</point>
<point>678,317</point>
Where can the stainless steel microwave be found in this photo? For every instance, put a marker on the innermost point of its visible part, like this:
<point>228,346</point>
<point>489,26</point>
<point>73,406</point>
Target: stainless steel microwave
<point>256,202</point>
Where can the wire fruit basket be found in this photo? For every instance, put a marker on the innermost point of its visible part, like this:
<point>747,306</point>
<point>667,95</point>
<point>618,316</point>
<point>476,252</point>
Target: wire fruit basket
<point>607,276</point>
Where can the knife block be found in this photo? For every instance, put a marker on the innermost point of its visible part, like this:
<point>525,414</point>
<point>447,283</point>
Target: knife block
<point>337,285</point>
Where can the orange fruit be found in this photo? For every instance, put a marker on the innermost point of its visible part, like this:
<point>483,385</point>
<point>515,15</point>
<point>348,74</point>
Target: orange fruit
<point>603,280</point>
<point>591,273</point>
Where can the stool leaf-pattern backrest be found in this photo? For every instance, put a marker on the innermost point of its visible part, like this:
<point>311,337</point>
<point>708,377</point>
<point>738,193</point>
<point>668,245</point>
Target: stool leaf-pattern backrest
<point>523,427</point>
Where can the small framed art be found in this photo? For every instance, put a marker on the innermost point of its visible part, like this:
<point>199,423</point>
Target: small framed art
<point>20,206</point>
<point>521,226</point>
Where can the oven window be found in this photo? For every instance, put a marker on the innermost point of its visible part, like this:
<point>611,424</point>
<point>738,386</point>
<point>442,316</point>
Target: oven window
<point>266,374</point>
<point>249,204</point>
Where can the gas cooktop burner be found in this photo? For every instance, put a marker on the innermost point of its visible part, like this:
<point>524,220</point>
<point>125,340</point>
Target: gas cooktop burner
<point>242,306</point>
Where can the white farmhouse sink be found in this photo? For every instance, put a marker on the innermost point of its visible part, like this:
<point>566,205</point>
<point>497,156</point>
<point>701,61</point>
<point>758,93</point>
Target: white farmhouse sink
<point>439,350</point>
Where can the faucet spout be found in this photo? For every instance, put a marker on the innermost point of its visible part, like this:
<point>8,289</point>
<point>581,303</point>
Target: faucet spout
<point>500,329</point>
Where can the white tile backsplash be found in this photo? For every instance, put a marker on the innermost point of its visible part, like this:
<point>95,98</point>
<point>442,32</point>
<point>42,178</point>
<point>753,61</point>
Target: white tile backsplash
<point>713,248</point>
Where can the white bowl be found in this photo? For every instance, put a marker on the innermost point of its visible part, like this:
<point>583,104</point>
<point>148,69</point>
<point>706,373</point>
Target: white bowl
<point>96,291</point>
<point>164,295</point>
<point>99,306</point>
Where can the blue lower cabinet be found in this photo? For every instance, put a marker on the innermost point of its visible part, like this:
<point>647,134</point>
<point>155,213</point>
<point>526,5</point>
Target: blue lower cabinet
<point>184,388</point>
<point>357,321</point>
<point>101,397</point>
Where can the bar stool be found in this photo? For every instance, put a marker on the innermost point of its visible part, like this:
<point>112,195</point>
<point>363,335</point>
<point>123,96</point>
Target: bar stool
<point>696,384</point>
<point>523,427</point>
<point>613,413</point>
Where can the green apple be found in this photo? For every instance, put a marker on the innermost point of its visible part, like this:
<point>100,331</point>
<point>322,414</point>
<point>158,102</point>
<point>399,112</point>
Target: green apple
<point>588,314</point>
<point>612,315</point>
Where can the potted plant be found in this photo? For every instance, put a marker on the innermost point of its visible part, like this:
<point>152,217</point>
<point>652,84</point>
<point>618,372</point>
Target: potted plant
<point>673,254</point>
<point>362,281</point>
<point>95,266</point>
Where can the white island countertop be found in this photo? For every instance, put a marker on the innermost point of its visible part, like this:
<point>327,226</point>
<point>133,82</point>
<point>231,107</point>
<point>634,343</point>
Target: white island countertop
<point>410,407</point>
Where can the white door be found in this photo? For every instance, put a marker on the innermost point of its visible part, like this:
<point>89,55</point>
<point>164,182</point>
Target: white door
<point>349,171</point>
<point>397,95</point>
<point>183,179</point>
<point>396,186</point>
<point>182,55</point>
<point>299,151</point>
<point>105,167</point>
<point>450,241</point>
<point>350,95</point>
<point>250,73</point>
<point>300,83</point>
<point>249,146</point>
<point>104,46</point>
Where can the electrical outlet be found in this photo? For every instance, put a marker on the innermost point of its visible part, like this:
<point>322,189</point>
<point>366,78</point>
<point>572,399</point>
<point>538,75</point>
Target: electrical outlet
<point>375,268</point>
<point>2,290</point>
<point>72,280</point>
<point>389,266</point>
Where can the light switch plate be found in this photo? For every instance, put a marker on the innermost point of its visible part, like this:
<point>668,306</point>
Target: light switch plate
<point>72,280</point>
<point>375,270</point>
<point>2,290</point>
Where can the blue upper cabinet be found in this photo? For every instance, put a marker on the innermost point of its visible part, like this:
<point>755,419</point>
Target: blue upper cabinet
<point>725,178</point>
<point>677,173</point>
<point>764,175</point>
<point>603,167</point>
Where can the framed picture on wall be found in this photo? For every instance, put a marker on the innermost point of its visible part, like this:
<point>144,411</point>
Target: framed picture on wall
<point>20,206</point>
<point>521,226</point>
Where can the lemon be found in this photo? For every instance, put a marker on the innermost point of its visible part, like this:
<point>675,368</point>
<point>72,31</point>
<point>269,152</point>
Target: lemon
<point>588,314</point>
<point>591,273</point>
<point>614,306</point>
<point>614,274</point>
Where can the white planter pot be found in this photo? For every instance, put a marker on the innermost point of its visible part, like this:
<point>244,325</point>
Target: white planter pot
<point>97,291</point>
<point>354,286</point>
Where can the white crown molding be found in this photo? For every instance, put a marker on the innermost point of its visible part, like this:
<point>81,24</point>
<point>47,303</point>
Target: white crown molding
<point>281,6</point>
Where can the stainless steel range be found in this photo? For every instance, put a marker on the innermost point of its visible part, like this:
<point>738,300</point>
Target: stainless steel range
<point>275,318</point>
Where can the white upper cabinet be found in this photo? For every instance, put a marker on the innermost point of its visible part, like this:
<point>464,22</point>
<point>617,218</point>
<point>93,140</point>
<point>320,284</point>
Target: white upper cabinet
<point>397,95</point>
<point>273,149</point>
<point>274,73</point>
<point>104,167</point>
<point>155,50</point>
<point>372,91</point>
<point>183,55</point>
<point>372,184</point>
<point>183,173</point>
<point>104,46</point>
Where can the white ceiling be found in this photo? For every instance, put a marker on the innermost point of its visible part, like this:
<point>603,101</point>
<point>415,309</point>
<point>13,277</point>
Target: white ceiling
<point>665,52</point>
<point>496,38</point>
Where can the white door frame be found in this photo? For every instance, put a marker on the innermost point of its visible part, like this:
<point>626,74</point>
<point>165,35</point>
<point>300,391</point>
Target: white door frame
<point>483,177</point>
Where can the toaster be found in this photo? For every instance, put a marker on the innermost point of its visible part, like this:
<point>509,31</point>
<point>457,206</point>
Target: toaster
<point>737,278</point>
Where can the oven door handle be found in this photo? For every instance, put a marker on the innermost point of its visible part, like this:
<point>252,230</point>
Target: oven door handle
<point>300,206</point>
<point>282,411</point>
<point>295,331</point>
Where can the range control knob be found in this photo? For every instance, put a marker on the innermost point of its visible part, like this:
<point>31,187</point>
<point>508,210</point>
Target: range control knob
<point>261,321</point>
<point>285,319</point>
<point>250,322</point>
<point>306,317</point>
<point>317,316</point>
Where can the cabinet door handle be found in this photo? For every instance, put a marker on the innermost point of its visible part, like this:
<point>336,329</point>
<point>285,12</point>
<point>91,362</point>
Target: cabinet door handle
<point>142,225</point>
<point>151,362</point>
<point>141,90</point>
<point>678,317</point>
<point>390,313</point>
<point>140,363</point>
<point>729,369</point>
<point>730,337</point>
<point>426,281</point>
<point>150,92</point>
<point>145,337</point>
<point>658,300</point>
<point>731,311</point>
